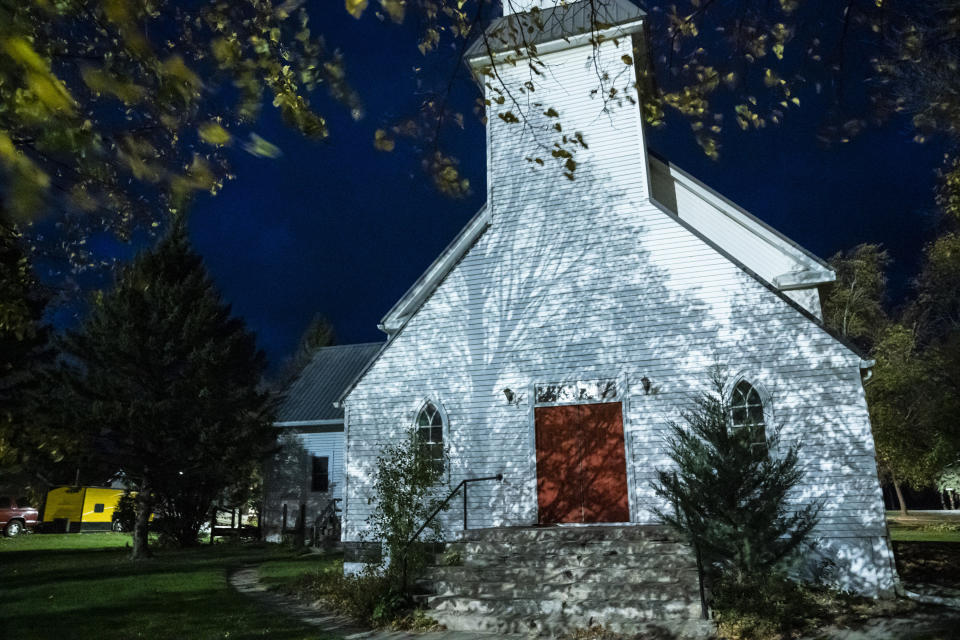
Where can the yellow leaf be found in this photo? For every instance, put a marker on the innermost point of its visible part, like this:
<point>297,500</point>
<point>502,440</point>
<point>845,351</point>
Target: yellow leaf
<point>395,9</point>
<point>21,51</point>
<point>257,146</point>
<point>213,133</point>
<point>382,141</point>
<point>356,7</point>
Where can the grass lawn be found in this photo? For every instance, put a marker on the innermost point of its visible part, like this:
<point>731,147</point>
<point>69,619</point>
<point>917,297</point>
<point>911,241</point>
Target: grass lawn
<point>83,586</point>
<point>283,571</point>
<point>919,526</point>
<point>926,546</point>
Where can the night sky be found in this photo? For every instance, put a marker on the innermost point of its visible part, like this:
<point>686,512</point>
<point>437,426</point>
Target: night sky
<point>342,229</point>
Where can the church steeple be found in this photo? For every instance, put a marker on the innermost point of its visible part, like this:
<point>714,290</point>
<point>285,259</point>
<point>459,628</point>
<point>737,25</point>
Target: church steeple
<point>522,6</point>
<point>563,110</point>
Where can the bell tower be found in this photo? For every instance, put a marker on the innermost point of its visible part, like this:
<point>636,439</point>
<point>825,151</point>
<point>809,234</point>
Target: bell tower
<point>522,6</point>
<point>564,122</point>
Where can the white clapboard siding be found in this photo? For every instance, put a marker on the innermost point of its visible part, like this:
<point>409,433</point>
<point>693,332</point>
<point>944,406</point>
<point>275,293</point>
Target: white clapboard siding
<point>589,279</point>
<point>761,249</point>
<point>331,445</point>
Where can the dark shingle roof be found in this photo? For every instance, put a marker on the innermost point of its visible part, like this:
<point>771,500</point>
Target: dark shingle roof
<point>565,20</point>
<point>319,385</point>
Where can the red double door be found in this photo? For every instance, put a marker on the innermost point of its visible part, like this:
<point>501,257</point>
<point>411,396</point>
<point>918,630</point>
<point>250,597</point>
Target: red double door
<point>581,464</point>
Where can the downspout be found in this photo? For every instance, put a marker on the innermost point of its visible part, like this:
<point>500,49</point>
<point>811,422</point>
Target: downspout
<point>866,370</point>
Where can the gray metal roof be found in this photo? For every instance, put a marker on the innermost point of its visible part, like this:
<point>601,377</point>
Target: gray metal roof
<point>567,19</point>
<point>331,370</point>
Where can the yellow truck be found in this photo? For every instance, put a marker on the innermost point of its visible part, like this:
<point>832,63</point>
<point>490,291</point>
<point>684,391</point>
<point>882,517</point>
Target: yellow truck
<point>73,509</point>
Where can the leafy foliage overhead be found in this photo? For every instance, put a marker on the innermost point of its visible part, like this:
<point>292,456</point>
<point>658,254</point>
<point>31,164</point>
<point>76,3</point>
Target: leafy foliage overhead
<point>126,106</point>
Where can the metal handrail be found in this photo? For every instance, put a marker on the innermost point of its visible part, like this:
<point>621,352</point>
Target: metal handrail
<point>440,507</point>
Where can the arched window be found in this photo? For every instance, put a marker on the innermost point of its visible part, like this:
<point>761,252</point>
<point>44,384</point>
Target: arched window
<point>746,408</point>
<point>430,430</point>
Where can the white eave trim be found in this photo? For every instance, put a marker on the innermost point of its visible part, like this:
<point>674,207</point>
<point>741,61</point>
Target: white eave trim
<point>426,283</point>
<point>815,270</point>
<point>560,43</point>
<point>803,279</point>
<point>308,423</point>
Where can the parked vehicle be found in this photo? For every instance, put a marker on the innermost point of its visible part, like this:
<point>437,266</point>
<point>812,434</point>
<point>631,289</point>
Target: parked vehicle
<point>17,516</point>
<point>73,509</point>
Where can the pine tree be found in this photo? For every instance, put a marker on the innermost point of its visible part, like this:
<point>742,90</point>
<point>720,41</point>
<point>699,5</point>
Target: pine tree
<point>727,493</point>
<point>27,447</point>
<point>170,383</point>
<point>318,334</point>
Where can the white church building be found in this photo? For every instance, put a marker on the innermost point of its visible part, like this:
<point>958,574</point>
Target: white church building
<point>571,320</point>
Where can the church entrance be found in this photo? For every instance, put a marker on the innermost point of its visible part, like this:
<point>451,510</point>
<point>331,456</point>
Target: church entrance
<point>581,463</point>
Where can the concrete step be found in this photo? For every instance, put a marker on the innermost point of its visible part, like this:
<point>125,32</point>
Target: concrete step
<point>570,591</point>
<point>674,629</point>
<point>568,614</point>
<point>550,560</point>
<point>585,575</point>
<point>555,534</point>
<point>591,546</point>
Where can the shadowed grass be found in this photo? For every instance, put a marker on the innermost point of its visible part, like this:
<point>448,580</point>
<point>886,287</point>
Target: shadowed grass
<point>84,586</point>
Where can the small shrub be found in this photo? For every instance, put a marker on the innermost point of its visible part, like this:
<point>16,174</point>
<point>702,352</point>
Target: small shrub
<point>405,485</point>
<point>368,597</point>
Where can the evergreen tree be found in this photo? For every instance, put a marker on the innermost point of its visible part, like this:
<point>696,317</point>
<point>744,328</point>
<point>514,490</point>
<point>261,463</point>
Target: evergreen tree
<point>27,446</point>
<point>318,334</point>
<point>727,493</point>
<point>170,382</point>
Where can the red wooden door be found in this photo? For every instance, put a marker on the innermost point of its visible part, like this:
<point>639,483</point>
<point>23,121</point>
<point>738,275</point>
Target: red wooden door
<point>558,464</point>
<point>581,464</point>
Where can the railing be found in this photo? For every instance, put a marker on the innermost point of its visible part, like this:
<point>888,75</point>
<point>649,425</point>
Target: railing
<point>463,484</point>
<point>446,501</point>
<point>236,529</point>
<point>322,520</point>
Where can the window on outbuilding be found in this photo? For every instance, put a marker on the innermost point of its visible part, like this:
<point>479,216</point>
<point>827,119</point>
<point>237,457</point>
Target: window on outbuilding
<point>430,430</point>
<point>321,474</point>
<point>746,408</point>
<point>98,508</point>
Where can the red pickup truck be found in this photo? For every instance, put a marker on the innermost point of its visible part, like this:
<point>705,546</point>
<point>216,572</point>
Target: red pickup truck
<point>16,515</point>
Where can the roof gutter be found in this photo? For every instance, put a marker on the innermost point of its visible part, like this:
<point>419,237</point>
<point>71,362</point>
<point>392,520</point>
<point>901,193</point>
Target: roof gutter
<point>308,423</point>
<point>492,57</point>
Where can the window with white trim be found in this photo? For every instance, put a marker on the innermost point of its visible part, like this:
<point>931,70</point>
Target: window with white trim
<point>746,408</point>
<point>430,429</point>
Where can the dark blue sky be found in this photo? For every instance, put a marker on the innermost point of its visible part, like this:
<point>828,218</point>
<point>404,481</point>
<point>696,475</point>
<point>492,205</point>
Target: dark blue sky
<point>342,229</point>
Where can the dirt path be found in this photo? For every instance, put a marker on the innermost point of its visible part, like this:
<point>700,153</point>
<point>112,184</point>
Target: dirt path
<point>247,582</point>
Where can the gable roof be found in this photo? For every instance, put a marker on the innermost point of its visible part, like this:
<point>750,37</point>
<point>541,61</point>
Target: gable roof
<point>408,304</point>
<point>310,397</point>
<point>806,269</point>
<point>564,21</point>
<point>420,290</point>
